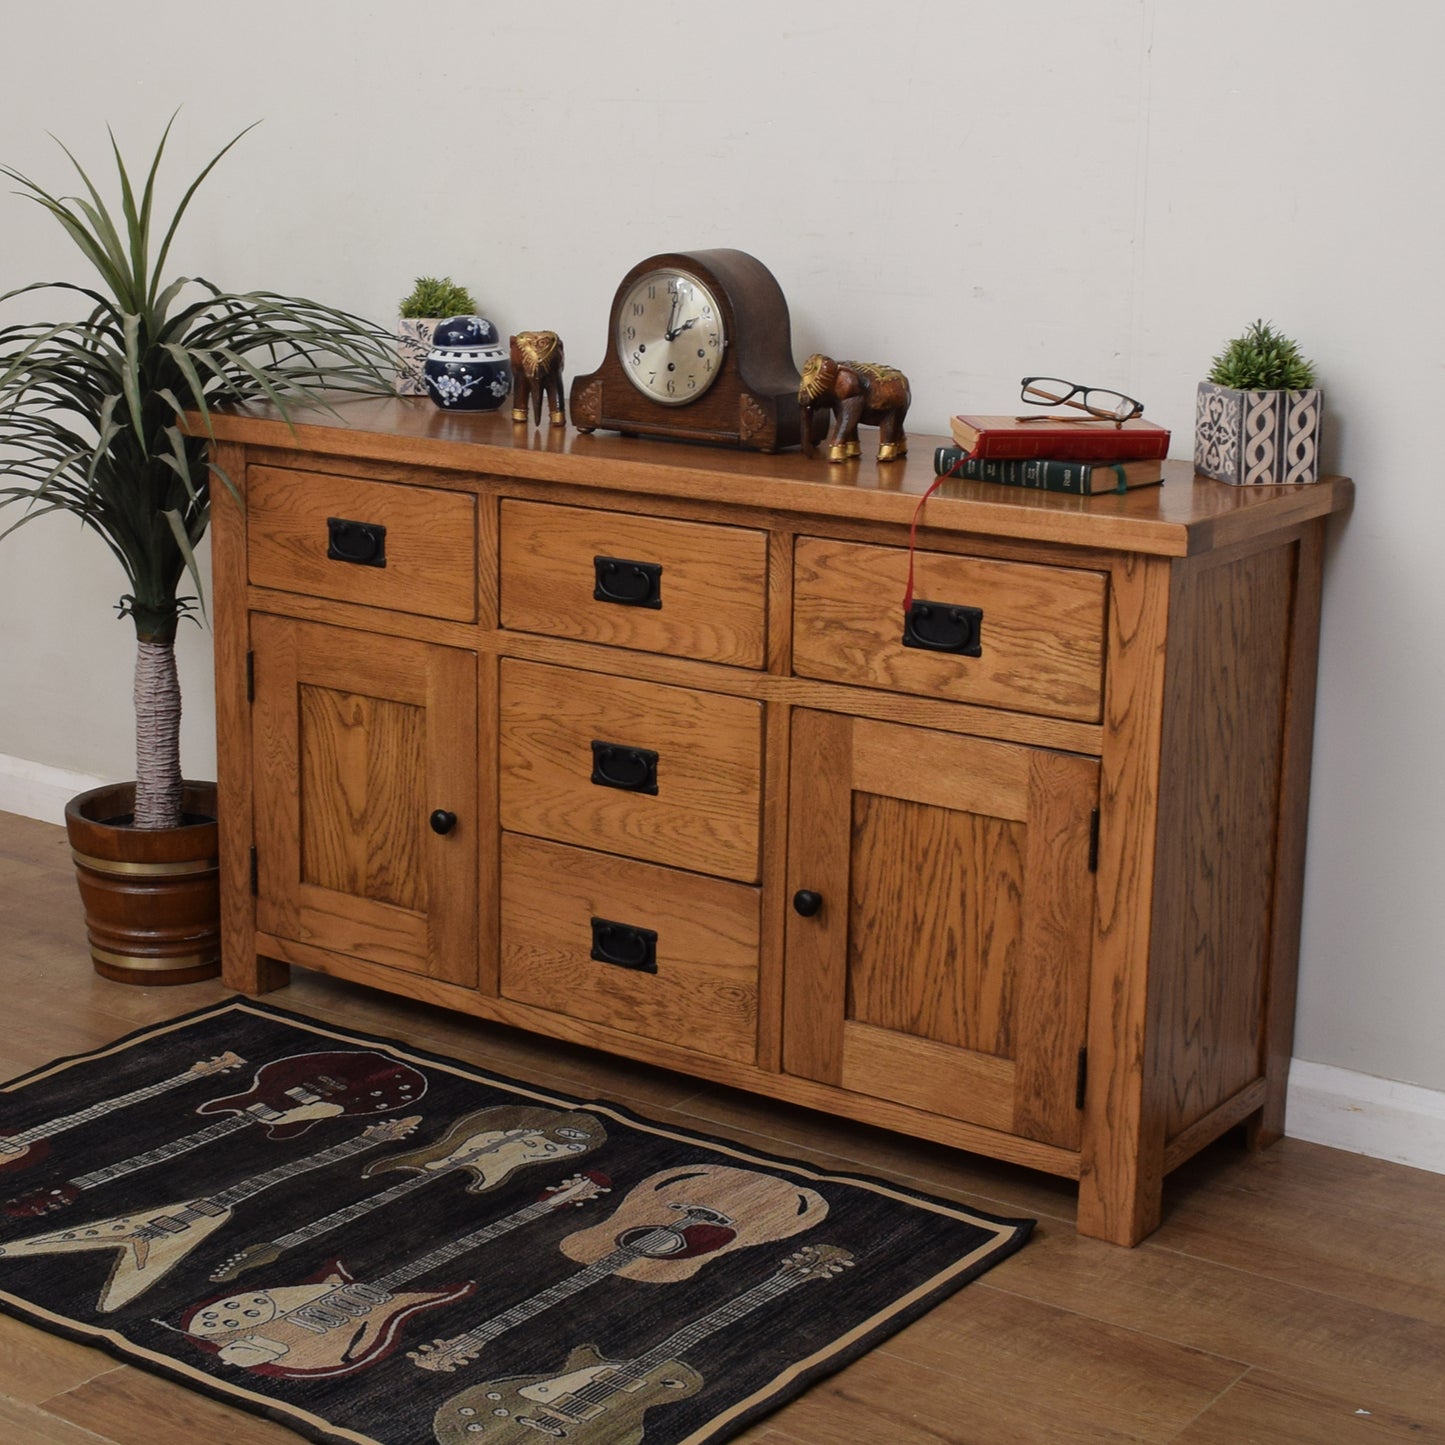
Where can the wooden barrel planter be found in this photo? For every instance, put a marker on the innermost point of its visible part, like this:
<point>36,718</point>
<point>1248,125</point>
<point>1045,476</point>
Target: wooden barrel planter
<point>152,897</point>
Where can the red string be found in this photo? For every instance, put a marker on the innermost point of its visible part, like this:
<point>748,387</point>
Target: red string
<point>913,528</point>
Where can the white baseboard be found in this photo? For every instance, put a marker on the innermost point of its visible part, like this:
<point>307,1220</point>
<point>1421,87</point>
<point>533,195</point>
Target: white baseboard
<point>1365,1115</point>
<point>34,790</point>
<point>1325,1105</point>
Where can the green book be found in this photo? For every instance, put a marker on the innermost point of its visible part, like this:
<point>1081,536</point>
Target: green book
<point>1080,478</point>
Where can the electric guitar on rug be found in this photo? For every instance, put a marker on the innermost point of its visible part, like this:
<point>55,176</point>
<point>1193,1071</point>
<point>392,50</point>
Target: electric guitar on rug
<point>28,1146</point>
<point>153,1242</point>
<point>334,1324</point>
<point>595,1401</point>
<point>665,1230</point>
<point>286,1097</point>
<point>490,1144</point>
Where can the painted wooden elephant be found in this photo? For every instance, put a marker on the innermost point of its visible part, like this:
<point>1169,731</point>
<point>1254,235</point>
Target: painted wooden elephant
<point>537,371</point>
<point>855,391</point>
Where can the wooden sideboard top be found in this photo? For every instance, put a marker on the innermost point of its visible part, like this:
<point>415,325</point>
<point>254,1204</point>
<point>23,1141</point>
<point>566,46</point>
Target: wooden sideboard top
<point>1186,515</point>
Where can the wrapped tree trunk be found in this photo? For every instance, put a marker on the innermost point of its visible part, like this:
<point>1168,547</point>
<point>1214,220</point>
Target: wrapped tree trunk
<point>157,735</point>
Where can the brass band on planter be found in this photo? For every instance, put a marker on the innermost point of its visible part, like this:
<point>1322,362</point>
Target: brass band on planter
<point>155,965</point>
<point>144,870</point>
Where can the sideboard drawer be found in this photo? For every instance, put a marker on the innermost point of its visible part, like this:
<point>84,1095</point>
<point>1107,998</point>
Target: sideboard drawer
<point>407,549</point>
<point>689,589</point>
<point>1039,643</point>
<point>667,774</point>
<point>649,951</point>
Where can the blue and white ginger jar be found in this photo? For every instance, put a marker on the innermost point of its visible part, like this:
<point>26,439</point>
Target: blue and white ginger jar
<point>467,368</point>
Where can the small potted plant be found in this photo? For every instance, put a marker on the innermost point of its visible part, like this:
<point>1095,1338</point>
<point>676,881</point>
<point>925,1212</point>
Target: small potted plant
<point>89,424</point>
<point>431,301</point>
<point>1257,418</point>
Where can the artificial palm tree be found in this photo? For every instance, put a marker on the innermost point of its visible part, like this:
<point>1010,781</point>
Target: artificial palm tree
<point>89,416</point>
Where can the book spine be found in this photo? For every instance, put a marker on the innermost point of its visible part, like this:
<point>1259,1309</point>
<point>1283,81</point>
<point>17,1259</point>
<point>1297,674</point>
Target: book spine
<point>1047,476</point>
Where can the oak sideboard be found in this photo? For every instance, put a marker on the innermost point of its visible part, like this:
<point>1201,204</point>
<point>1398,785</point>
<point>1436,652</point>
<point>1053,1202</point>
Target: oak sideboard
<point>629,743</point>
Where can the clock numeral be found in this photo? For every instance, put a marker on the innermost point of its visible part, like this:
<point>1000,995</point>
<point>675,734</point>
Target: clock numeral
<point>638,309</point>
<point>629,333</point>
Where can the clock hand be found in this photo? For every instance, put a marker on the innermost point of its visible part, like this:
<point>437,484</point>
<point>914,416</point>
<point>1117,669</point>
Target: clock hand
<point>672,316</point>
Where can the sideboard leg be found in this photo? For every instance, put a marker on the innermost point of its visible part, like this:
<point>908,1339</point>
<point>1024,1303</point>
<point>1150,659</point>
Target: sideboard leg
<point>251,973</point>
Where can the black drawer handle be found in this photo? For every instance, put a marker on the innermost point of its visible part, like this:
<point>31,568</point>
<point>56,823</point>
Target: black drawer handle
<point>624,945</point>
<point>632,770</point>
<point>628,584</point>
<point>361,543</point>
<point>944,627</point>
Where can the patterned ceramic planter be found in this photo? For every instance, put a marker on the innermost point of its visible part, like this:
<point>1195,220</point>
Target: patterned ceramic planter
<point>467,368</point>
<point>413,341</point>
<point>1249,438</point>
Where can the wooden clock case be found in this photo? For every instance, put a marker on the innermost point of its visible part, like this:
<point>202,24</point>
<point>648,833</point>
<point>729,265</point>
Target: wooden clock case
<point>754,401</point>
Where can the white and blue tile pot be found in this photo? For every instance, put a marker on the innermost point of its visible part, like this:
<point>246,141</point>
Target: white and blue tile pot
<point>467,368</point>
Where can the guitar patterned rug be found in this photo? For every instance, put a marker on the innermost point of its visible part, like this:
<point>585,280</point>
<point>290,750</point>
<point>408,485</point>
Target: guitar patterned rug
<point>370,1243</point>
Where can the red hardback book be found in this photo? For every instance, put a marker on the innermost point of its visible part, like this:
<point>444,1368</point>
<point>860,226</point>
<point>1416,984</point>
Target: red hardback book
<point>1086,440</point>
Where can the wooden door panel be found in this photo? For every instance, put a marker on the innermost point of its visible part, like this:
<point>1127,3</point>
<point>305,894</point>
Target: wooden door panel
<point>358,738</point>
<point>947,966</point>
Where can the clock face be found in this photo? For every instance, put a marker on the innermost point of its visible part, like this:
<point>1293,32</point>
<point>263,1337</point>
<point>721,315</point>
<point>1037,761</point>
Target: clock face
<point>670,337</point>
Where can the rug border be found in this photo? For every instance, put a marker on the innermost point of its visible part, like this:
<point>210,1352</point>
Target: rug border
<point>1010,1235</point>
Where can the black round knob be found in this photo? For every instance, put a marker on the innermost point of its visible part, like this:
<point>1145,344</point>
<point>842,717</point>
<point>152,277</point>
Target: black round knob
<point>806,902</point>
<point>442,821</point>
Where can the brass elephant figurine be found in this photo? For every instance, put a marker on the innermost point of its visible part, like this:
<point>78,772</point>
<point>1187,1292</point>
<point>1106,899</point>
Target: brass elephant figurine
<point>854,391</point>
<point>537,371</point>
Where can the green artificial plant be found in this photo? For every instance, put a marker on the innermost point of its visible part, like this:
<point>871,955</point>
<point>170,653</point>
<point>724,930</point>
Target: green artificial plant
<point>89,415</point>
<point>1262,360</point>
<point>438,296</point>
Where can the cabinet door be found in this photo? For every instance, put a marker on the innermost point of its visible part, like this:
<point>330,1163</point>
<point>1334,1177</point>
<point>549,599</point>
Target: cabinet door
<point>357,740</point>
<point>946,966</point>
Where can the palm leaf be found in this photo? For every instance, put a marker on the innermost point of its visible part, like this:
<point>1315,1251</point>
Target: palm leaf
<point>88,406</point>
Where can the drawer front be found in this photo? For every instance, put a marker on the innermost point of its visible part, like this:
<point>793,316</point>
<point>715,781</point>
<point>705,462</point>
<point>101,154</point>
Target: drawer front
<point>667,774</point>
<point>688,589</point>
<point>677,954</point>
<point>408,549</point>
<point>1037,642</point>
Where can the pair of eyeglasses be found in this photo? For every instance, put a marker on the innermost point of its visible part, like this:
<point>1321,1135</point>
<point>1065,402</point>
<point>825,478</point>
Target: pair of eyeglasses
<point>1101,405</point>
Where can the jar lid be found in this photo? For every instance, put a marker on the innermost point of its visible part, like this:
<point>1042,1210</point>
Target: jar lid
<point>467,333</point>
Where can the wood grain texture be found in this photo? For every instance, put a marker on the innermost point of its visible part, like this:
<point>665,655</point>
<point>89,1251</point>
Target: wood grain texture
<point>431,541</point>
<point>713,585</point>
<point>951,961</point>
<point>706,812</point>
<point>240,966</point>
<point>1041,636</point>
<point>1122,1165</point>
<point>357,740</point>
<point>1185,515</point>
<point>1221,757</point>
<point>1089,694</point>
<point>705,987</point>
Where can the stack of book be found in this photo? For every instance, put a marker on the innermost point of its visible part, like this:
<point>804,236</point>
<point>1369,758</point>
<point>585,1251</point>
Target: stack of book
<point>1055,454</point>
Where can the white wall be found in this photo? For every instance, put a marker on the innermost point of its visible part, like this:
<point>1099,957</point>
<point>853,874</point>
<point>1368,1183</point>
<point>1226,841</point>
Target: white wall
<point>971,191</point>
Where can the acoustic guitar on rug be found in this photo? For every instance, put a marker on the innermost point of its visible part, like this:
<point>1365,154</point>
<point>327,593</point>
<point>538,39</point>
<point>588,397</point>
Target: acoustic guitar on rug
<point>334,1324</point>
<point>153,1242</point>
<point>286,1097</point>
<point>29,1146</point>
<point>665,1230</point>
<point>595,1401</point>
<point>490,1144</point>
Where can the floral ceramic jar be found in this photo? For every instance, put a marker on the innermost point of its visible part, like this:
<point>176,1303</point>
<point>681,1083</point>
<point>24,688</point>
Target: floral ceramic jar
<point>467,367</point>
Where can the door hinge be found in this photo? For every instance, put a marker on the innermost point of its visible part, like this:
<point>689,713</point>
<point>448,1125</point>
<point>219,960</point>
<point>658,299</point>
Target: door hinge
<point>1094,841</point>
<point>255,874</point>
<point>1081,1079</point>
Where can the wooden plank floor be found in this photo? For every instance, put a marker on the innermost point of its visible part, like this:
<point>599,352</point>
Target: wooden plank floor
<point>1293,1295</point>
